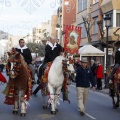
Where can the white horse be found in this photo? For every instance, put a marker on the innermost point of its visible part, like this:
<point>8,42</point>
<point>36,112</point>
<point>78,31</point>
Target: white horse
<point>55,82</point>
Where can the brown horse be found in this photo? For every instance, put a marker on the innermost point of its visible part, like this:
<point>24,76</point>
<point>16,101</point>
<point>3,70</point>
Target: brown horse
<point>20,81</point>
<point>114,87</point>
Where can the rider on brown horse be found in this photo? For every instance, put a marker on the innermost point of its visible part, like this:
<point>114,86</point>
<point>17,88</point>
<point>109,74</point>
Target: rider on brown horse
<point>26,53</point>
<point>116,66</point>
<point>114,82</point>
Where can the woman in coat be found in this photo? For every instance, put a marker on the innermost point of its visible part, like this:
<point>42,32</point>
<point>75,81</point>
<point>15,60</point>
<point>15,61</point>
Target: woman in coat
<point>99,75</point>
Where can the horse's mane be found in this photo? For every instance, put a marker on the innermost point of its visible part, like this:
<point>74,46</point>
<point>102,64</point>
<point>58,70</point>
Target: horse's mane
<point>59,58</point>
<point>23,61</point>
<point>57,63</point>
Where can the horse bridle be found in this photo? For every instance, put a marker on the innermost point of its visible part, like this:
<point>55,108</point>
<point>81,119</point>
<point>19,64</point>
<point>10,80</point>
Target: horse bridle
<point>16,66</point>
<point>65,64</point>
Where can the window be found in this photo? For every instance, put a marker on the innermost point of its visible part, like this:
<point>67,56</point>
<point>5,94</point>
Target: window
<point>95,1</point>
<point>84,35</point>
<point>82,4</point>
<point>95,25</point>
<point>118,20</point>
<point>79,5</point>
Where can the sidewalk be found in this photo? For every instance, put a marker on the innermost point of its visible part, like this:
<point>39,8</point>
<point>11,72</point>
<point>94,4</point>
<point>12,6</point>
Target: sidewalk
<point>105,91</point>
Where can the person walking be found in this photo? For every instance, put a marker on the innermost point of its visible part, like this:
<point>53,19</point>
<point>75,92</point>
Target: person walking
<point>84,77</point>
<point>93,67</point>
<point>52,50</point>
<point>26,53</point>
<point>99,75</point>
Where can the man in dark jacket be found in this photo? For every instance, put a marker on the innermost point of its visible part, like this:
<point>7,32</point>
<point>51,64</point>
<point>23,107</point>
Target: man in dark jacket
<point>84,77</point>
<point>52,50</point>
<point>26,53</point>
<point>93,67</point>
<point>116,66</point>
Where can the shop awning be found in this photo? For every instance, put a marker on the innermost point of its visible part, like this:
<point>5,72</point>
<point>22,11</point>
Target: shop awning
<point>89,50</point>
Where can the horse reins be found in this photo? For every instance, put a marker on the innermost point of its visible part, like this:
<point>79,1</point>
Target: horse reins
<point>16,68</point>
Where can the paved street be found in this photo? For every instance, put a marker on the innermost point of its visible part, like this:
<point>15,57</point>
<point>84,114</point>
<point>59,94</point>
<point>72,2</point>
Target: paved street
<point>99,107</point>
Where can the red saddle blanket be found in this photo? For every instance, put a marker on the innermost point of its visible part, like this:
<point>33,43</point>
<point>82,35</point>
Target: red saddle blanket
<point>44,80</point>
<point>2,78</point>
<point>117,76</point>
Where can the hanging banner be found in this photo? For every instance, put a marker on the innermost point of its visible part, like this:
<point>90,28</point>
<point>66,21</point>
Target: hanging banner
<point>72,39</point>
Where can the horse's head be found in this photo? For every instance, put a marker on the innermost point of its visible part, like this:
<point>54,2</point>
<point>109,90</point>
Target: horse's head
<point>68,67</point>
<point>14,64</point>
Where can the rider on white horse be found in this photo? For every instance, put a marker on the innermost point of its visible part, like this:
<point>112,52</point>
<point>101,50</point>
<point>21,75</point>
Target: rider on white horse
<point>52,50</point>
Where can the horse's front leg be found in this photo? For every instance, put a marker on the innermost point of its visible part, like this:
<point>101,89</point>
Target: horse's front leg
<point>44,96</point>
<point>118,100</point>
<point>112,92</point>
<point>57,94</point>
<point>23,105</point>
<point>52,98</point>
<point>16,103</point>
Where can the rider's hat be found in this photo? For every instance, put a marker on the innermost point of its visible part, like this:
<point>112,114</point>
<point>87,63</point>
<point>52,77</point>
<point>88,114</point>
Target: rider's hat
<point>84,60</point>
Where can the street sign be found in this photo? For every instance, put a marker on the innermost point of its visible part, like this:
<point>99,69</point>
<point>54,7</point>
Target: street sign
<point>110,51</point>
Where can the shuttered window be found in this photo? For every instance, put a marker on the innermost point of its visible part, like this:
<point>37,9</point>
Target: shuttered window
<point>118,20</point>
<point>82,4</point>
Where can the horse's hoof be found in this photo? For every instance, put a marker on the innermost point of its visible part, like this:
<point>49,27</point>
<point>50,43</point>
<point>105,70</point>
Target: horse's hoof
<point>114,107</point>
<point>15,112</point>
<point>117,105</point>
<point>44,107</point>
<point>56,110</point>
<point>53,112</point>
<point>23,114</point>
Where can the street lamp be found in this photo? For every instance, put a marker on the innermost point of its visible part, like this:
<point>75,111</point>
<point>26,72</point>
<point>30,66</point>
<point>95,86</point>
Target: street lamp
<point>107,20</point>
<point>36,50</point>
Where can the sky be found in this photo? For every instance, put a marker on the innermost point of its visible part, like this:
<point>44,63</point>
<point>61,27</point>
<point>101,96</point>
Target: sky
<point>18,17</point>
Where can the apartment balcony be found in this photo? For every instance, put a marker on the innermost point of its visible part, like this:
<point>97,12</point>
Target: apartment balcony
<point>111,36</point>
<point>108,5</point>
<point>95,9</point>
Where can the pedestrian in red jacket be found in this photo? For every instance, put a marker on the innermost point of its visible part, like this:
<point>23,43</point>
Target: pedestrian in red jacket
<point>99,75</point>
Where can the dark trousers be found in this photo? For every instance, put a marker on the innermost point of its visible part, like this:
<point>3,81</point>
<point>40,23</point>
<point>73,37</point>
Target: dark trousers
<point>41,71</point>
<point>39,77</point>
<point>36,90</point>
<point>99,83</point>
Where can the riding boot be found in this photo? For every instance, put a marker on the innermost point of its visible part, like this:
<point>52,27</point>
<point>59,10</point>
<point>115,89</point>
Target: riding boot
<point>38,81</point>
<point>36,90</point>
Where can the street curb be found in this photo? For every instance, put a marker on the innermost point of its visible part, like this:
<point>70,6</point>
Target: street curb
<point>100,91</point>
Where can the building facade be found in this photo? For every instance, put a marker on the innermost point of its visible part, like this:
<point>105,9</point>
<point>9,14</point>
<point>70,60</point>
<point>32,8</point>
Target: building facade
<point>112,8</point>
<point>90,10</point>
<point>66,16</point>
<point>54,21</point>
<point>42,31</point>
<point>94,11</point>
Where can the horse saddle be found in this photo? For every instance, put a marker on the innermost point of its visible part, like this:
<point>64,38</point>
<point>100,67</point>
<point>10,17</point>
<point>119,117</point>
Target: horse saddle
<point>43,69</point>
<point>45,72</point>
